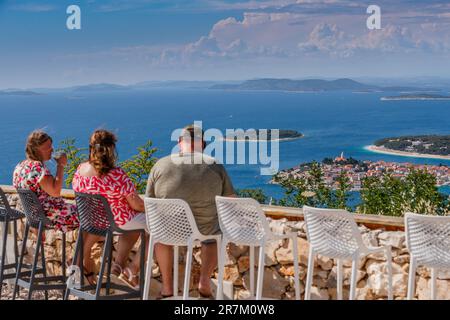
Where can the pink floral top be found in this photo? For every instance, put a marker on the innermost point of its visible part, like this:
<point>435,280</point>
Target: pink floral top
<point>114,186</point>
<point>28,175</point>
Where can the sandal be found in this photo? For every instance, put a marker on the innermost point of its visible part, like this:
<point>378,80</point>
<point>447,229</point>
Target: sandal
<point>116,270</point>
<point>130,278</point>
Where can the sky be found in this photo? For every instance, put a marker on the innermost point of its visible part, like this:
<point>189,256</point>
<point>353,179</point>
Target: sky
<point>129,41</point>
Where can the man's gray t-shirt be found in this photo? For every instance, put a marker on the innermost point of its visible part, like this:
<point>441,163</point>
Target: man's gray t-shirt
<point>195,178</point>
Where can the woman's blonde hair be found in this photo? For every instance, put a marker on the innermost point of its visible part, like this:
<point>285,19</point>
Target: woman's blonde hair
<point>102,151</point>
<point>34,141</point>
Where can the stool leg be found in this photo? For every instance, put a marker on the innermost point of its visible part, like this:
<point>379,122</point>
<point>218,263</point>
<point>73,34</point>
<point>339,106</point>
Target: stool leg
<point>411,278</point>
<point>16,246</point>
<point>433,283</point>
<point>221,265</point>
<point>63,256</point>
<point>252,270</point>
<point>110,262</point>
<point>19,264</point>
<point>4,244</point>
<point>339,278</point>
<point>142,266</point>
<point>259,285</point>
<point>75,257</point>
<point>175,270</point>
<point>354,278</point>
<point>187,270</point>
<point>148,272</point>
<point>35,262</point>
<point>102,265</point>
<point>63,260</point>
<point>81,263</point>
<point>309,275</point>
<point>296,271</point>
<point>44,268</point>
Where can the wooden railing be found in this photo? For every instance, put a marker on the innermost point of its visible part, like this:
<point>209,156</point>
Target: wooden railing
<point>291,214</point>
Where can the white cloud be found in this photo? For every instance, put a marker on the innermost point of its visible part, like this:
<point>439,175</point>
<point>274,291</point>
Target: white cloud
<point>288,37</point>
<point>326,38</point>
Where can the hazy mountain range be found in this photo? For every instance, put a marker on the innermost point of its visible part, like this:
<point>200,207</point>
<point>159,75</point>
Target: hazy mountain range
<point>272,84</point>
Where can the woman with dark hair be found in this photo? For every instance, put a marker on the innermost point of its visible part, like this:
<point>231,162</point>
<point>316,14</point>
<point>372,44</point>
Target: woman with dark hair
<point>101,175</point>
<point>33,174</point>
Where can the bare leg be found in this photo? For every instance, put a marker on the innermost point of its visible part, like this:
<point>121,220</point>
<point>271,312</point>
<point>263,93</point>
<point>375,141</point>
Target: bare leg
<point>135,263</point>
<point>88,263</point>
<point>209,263</point>
<point>126,243</point>
<point>164,257</point>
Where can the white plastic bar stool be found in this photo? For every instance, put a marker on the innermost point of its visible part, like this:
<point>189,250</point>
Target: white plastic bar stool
<point>428,242</point>
<point>335,234</point>
<point>243,222</point>
<point>171,222</point>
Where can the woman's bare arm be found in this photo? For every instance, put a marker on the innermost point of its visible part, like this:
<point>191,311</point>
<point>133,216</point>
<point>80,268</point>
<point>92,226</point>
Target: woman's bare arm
<point>136,202</point>
<point>53,185</point>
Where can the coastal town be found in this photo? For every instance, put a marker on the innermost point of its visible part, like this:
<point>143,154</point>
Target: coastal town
<point>356,171</point>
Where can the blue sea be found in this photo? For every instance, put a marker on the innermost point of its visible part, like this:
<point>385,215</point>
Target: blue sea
<point>331,122</point>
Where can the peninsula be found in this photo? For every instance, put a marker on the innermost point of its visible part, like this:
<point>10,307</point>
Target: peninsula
<point>426,146</point>
<point>424,96</point>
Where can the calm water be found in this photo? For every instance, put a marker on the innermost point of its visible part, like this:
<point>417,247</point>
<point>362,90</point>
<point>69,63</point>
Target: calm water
<point>332,122</point>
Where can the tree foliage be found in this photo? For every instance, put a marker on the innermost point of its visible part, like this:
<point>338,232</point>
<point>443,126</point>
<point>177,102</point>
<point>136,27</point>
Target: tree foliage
<point>137,167</point>
<point>75,156</point>
<point>380,195</point>
<point>257,194</point>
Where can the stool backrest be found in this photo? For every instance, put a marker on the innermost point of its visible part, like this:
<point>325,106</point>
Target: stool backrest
<point>94,214</point>
<point>332,232</point>
<point>4,204</point>
<point>170,221</point>
<point>242,220</point>
<point>428,239</point>
<point>34,212</point>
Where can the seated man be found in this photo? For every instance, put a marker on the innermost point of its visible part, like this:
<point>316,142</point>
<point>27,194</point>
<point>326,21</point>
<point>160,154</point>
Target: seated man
<point>197,179</point>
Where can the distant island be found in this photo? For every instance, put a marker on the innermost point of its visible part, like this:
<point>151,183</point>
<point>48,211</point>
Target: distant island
<point>309,85</point>
<point>426,146</point>
<point>18,93</point>
<point>423,96</point>
<point>260,135</point>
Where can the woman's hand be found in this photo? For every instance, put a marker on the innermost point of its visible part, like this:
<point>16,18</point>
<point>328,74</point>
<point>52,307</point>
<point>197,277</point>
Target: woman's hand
<point>62,160</point>
<point>136,202</point>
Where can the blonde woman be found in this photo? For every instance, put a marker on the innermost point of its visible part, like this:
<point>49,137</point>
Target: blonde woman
<point>33,174</point>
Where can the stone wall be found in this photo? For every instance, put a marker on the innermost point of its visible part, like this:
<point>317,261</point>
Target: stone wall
<point>279,270</point>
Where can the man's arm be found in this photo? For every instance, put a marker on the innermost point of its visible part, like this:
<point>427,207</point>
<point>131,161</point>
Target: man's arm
<point>150,189</point>
<point>227,186</point>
